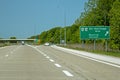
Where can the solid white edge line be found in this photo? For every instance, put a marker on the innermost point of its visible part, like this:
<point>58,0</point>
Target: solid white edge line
<point>114,65</point>
<point>67,73</point>
<point>57,65</point>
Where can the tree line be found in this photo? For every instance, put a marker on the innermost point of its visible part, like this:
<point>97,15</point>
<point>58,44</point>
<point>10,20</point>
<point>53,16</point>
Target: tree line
<point>96,13</point>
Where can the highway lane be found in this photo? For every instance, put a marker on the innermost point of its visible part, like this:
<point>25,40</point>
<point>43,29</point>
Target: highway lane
<point>7,49</point>
<point>85,68</point>
<point>24,62</point>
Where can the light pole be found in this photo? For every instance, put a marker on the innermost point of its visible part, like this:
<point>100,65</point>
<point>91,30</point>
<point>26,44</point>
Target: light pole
<point>61,41</point>
<point>65,28</point>
<point>60,35</point>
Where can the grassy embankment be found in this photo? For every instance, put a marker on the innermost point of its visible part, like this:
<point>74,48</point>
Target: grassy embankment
<point>102,52</point>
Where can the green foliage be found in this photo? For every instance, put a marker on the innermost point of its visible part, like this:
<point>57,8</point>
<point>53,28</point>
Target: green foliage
<point>103,12</point>
<point>51,35</point>
<point>13,37</point>
<point>115,25</point>
<point>96,13</point>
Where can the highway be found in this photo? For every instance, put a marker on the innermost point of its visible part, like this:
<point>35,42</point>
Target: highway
<point>27,62</point>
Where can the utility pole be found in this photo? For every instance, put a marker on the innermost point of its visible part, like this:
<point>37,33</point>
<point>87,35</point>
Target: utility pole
<point>65,27</point>
<point>60,35</point>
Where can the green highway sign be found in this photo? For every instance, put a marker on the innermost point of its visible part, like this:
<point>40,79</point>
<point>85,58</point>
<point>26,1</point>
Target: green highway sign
<point>94,32</point>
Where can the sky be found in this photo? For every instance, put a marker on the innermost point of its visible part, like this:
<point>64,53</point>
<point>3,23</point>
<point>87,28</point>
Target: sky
<point>25,18</point>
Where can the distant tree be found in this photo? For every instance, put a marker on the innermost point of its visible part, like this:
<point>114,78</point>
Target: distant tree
<point>32,37</point>
<point>115,25</point>
<point>13,37</point>
<point>96,13</point>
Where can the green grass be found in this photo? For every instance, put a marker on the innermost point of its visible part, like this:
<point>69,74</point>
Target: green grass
<point>109,53</point>
<point>2,45</point>
<point>115,54</point>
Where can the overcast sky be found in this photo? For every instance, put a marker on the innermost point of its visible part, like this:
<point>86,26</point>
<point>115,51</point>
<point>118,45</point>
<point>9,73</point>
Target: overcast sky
<point>24,18</point>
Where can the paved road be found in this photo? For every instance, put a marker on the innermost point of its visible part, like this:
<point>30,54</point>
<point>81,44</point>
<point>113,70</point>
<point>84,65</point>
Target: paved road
<point>23,62</point>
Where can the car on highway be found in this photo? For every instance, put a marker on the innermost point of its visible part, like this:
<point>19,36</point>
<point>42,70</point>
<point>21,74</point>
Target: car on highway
<point>23,43</point>
<point>47,44</point>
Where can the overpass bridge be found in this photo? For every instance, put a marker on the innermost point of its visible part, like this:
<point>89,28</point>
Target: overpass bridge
<point>17,40</point>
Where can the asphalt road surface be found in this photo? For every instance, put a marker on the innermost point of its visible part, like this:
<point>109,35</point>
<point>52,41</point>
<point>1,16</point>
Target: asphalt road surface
<point>25,62</point>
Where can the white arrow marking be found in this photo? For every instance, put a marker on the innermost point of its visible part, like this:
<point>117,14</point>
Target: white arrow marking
<point>106,33</point>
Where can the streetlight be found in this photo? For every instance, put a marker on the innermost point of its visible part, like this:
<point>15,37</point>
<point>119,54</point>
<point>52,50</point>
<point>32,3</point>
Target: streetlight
<point>61,41</point>
<point>65,28</point>
<point>60,35</point>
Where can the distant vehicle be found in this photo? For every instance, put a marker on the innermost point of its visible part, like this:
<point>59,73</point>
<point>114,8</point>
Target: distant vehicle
<point>47,44</point>
<point>23,43</point>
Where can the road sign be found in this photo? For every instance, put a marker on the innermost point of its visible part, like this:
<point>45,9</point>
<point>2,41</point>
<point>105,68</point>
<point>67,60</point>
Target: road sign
<point>94,32</point>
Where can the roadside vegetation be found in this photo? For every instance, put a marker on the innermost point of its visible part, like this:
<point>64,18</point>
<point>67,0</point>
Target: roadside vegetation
<point>96,13</point>
<point>7,43</point>
<point>4,44</point>
<point>97,51</point>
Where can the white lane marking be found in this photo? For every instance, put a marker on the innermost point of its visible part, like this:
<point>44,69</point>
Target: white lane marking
<point>42,53</point>
<point>17,48</point>
<point>97,60</point>
<point>6,55</point>
<point>114,65</point>
<point>47,57</point>
<point>3,47</point>
<point>52,60</point>
<point>11,52</point>
<point>67,73</point>
<point>57,65</point>
<point>37,50</point>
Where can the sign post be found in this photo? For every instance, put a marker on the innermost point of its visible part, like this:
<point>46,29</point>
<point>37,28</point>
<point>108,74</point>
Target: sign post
<point>95,33</point>
<point>106,44</point>
<point>94,44</point>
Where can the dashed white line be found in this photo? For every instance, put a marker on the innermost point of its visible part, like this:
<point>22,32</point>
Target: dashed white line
<point>67,73</point>
<point>6,55</point>
<point>57,65</point>
<point>11,52</point>
<point>52,60</point>
<point>38,50</point>
<point>47,57</point>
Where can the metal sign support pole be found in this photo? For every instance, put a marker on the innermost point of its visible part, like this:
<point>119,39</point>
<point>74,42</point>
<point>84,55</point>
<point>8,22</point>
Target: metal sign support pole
<point>60,36</point>
<point>106,45</point>
<point>94,44</point>
<point>82,43</point>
